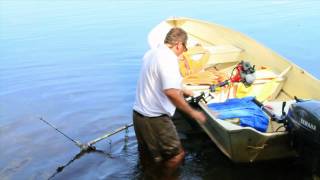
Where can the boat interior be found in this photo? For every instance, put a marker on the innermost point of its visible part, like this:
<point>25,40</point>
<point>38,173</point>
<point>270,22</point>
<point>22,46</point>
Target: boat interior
<point>223,58</point>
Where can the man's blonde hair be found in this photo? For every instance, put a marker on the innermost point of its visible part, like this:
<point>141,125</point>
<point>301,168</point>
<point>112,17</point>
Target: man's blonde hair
<point>176,35</point>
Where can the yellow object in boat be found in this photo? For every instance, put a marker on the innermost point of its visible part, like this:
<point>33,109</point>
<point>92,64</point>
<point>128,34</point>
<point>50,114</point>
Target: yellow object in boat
<point>243,91</point>
<point>262,92</point>
<point>193,61</point>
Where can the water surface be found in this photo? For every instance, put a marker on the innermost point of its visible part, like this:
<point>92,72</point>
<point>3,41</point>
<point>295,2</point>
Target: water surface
<point>76,64</point>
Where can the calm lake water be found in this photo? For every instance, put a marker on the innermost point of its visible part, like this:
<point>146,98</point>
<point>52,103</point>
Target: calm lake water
<point>76,64</point>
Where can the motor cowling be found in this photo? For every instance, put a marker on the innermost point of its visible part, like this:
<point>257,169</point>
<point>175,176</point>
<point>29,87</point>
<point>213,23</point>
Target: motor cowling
<point>304,121</point>
<point>303,124</point>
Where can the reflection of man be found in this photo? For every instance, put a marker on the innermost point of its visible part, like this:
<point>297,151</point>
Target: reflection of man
<point>158,94</point>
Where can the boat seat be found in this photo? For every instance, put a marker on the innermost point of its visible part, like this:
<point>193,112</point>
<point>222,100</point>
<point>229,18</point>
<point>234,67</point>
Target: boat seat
<point>223,54</point>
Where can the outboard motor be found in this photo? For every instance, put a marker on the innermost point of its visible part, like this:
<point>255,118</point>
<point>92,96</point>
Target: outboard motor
<point>303,124</point>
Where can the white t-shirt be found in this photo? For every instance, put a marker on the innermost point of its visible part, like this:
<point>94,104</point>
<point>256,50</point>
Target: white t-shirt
<point>160,71</point>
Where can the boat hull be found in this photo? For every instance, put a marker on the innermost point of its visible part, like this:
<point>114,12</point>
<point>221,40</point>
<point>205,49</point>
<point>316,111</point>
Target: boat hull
<point>245,144</point>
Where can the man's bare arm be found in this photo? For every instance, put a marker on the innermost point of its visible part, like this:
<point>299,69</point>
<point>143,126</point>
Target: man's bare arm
<point>176,97</point>
<point>187,92</point>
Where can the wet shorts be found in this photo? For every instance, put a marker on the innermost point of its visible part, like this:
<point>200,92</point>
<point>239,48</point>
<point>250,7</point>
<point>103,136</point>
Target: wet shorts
<point>158,135</point>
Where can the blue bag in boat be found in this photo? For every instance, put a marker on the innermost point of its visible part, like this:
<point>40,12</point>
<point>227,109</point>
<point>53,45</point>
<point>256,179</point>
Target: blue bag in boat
<point>245,109</point>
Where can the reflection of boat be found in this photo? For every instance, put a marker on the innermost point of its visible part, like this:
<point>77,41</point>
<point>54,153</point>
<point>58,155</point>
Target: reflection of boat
<point>277,80</point>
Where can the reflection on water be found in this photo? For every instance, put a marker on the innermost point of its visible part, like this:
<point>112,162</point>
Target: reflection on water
<point>75,63</point>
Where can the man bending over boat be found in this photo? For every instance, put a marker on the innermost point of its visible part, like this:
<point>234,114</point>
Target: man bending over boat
<point>159,93</point>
